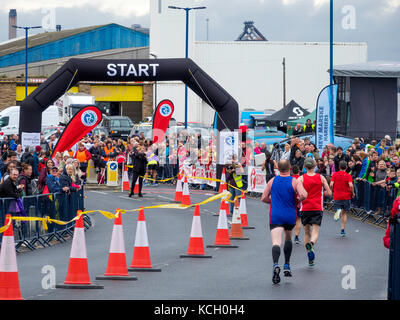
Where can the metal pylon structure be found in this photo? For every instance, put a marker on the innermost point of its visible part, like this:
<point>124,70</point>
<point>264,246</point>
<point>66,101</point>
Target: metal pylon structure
<point>251,33</point>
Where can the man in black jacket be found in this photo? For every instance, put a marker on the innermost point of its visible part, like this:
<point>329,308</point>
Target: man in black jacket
<point>9,188</point>
<point>139,169</point>
<point>340,156</point>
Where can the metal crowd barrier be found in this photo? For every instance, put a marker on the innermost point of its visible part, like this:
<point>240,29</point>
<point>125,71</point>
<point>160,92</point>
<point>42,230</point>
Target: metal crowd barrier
<point>60,206</point>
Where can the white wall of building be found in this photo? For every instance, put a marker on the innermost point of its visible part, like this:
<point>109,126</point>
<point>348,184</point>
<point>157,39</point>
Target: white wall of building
<point>250,71</point>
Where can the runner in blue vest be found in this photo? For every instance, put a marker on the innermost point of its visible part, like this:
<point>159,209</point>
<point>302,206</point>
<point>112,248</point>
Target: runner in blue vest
<point>283,192</point>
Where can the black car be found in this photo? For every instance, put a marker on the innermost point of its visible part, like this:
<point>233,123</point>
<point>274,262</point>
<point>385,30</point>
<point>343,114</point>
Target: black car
<point>118,126</point>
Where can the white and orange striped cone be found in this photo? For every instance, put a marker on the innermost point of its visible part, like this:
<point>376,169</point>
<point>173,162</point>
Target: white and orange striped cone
<point>125,180</point>
<point>222,185</point>
<point>136,187</point>
<point>9,281</point>
<point>196,245</point>
<point>178,190</point>
<point>243,213</point>
<point>78,270</point>
<point>224,207</point>
<point>116,266</point>
<point>236,232</point>
<point>141,253</point>
<point>222,237</point>
<point>186,193</point>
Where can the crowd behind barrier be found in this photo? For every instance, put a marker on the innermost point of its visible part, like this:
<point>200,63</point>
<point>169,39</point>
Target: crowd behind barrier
<point>59,206</point>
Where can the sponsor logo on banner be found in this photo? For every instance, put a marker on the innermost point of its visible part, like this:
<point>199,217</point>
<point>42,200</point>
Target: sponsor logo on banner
<point>257,181</point>
<point>89,118</point>
<point>165,110</point>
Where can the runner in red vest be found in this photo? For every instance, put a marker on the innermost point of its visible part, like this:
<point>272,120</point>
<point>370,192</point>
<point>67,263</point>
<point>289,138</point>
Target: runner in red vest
<point>312,208</point>
<point>343,191</point>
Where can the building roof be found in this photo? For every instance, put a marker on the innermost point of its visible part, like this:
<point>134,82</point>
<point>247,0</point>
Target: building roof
<point>375,69</point>
<point>50,45</point>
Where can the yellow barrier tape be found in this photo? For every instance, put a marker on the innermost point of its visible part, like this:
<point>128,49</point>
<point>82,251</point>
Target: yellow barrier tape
<point>47,220</point>
<point>218,180</point>
<point>225,193</point>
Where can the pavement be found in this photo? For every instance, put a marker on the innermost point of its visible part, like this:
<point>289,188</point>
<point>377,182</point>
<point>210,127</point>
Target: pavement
<point>242,273</point>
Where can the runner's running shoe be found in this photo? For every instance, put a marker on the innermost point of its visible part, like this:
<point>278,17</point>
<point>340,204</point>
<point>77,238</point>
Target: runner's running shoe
<point>336,217</point>
<point>296,239</point>
<point>310,254</point>
<point>286,270</point>
<point>275,274</point>
<point>343,233</point>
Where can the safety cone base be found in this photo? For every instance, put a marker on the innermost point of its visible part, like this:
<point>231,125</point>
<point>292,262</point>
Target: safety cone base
<point>79,286</point>
<point>145,269</point>
<point>194,256</point>
<point>127,278</point>
<point>222,246</point>
<point>239,238</point>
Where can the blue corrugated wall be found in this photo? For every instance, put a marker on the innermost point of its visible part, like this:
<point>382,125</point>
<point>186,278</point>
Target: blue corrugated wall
<point>108,37</point>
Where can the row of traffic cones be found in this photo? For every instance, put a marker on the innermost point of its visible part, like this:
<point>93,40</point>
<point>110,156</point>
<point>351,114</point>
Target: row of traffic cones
<point>78,273</point>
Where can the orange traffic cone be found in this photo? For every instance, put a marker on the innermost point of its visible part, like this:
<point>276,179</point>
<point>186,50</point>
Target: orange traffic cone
<point>196,246</point>
<point>178,190</point>
<point>125,180</point>
<point>236,225</point>
<point>243,213</point>
<point>136,188</point>
<point>116,267</point>
<point>186,194</point>
<point>222,237</point>
<point>78,271</point>
<point>141,252</point>
<point>9,281</point>
<point>222,185</point>
<point>224,207</point>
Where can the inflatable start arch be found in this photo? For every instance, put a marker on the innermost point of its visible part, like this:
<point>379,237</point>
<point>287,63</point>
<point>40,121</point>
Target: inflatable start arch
<point>75,70</point>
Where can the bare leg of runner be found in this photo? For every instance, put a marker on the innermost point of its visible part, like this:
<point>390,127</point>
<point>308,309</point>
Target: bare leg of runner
<point>344,221</point>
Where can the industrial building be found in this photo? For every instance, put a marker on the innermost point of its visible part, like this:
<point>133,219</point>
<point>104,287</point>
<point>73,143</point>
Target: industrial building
<point>50,50</point>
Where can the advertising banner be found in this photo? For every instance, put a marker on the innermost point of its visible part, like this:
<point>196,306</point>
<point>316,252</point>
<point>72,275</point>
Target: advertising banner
<point>161,118</point>
<point>326,108</point>
<point>80,125</point>
<point>256,182</point>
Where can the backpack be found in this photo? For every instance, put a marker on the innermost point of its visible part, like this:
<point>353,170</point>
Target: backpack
<point>35,186</point>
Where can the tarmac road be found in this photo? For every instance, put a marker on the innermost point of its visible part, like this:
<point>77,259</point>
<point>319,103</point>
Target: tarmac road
<point>231,274</point>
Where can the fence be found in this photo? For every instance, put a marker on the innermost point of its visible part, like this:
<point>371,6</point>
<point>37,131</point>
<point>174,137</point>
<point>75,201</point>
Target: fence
<point>60,206</point>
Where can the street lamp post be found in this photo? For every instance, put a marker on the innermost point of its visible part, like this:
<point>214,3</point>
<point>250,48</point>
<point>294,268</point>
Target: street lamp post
<point>26,54</point>
<point>155,85</point>
<point>186,47</point>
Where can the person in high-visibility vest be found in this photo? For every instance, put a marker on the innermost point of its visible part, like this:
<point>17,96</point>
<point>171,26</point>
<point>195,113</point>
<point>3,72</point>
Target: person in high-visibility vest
<point>83,156</point>
<point>152,165</point>
<point>308,127</point>
<point>108,154</point>
<point>234,172</point>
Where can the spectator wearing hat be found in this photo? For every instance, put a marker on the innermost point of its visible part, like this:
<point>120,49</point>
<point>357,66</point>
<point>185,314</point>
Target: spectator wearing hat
<point>276,153</point>
<point>53,182</point>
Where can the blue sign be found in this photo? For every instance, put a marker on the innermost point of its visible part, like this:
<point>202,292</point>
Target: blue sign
<point>326,109</point>
<point>113,166</point>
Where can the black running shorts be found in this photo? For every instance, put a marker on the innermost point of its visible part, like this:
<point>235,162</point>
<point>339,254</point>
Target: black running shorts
<point>342,204</point>
<point>311,217</point>
<point>287,227</point>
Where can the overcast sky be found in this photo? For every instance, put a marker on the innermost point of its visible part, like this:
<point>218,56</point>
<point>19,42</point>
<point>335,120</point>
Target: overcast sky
<point>376,22</point>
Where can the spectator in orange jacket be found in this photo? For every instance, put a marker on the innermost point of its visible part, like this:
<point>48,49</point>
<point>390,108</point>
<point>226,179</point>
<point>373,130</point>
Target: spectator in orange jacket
<point>83,156</point>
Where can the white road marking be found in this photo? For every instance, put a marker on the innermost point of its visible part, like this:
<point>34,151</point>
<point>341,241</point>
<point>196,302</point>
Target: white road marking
<point>127,198</point>
<point>101,192</point>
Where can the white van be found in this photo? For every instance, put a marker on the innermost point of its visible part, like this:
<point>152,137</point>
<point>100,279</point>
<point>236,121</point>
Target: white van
<point>9,119</point>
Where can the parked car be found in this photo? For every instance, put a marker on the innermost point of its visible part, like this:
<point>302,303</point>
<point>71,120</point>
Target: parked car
<point>118,126</point>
